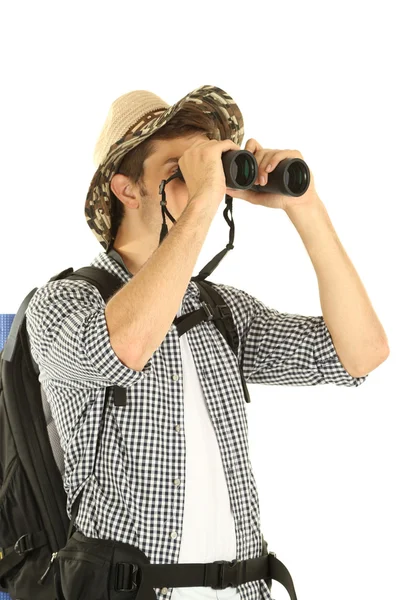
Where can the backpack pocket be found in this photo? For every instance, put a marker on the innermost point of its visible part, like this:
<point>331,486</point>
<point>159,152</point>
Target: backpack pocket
<point>81,575</point>
<point>18,516</point>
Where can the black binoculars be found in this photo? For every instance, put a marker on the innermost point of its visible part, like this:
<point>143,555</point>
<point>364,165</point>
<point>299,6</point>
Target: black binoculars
<point>291,177</point>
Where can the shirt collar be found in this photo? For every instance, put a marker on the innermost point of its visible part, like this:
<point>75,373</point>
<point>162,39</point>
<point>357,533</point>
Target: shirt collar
<point>118,258</point>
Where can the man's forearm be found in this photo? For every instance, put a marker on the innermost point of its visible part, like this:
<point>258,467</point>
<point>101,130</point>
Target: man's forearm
<point>359,338</point>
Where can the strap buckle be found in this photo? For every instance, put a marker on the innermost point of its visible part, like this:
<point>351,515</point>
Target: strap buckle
<point>208,312</point>
<point>226,564</point>
<point>24,544</point>
<point>223,310</point>
<point>125,575</point>
<point>219,311</point>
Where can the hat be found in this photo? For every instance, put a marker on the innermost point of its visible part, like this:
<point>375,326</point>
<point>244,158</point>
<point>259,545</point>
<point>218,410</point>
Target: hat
<point>132,118</point>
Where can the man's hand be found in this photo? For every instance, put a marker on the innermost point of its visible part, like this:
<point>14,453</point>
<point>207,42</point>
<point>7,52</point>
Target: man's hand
<point>265,157</point>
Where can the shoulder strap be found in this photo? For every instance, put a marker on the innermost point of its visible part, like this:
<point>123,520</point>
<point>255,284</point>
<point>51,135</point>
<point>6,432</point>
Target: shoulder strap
<point>222,315</point>
<point>107,284</point>
<point>224,320</point>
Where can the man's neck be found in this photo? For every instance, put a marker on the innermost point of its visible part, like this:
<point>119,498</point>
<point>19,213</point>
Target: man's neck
<point>122,261</point>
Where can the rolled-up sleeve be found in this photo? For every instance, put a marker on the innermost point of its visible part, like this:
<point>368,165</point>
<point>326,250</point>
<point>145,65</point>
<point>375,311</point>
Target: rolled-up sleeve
<point>290,349</point>
<point>69,338</point>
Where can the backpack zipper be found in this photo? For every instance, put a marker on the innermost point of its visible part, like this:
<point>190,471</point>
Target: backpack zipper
<point>43,577</point>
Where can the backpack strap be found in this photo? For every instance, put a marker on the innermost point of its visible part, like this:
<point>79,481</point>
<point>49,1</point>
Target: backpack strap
<point>107,284</point>
<point>222,315</point>
<point>221,312</point>
<point>213,308</point>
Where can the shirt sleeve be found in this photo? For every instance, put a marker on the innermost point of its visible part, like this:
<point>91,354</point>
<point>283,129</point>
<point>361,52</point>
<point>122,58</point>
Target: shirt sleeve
<point>290,349</point>
<point>69,338</point>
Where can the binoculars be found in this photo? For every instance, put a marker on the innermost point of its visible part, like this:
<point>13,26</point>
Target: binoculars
<point>291,177</point>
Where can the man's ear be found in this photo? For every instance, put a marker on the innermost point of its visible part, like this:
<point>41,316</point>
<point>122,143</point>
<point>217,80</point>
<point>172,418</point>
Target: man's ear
<point>124,190</point>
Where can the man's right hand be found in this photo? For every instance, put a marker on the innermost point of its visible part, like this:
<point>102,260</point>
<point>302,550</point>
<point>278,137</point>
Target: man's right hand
<point>202,168</point>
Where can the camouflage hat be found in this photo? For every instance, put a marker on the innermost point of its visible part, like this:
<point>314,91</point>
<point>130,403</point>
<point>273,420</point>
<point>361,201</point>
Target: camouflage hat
<point>132,118</point>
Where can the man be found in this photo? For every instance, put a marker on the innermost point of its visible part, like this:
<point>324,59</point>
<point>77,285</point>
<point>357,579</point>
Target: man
<point>172,476</point>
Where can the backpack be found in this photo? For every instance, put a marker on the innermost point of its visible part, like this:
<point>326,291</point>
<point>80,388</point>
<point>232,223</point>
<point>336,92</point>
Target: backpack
<point>34,524</point>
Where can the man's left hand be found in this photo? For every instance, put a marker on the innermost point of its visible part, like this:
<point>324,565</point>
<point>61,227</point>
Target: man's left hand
<point>264,157</point>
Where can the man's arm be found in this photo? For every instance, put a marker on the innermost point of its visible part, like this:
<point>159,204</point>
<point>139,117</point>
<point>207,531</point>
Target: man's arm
<point>358,336</point>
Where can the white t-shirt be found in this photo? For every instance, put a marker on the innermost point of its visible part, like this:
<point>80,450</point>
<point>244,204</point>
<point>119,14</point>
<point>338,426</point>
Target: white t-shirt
<point>208,524</point>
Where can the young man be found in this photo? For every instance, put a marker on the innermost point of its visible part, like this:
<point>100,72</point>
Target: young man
<point>173,475</point>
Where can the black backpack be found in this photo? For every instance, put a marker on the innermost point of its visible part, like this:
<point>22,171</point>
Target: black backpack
<point>34,524</point>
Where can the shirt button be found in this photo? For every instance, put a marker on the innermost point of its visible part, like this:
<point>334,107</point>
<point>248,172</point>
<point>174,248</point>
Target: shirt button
<point>177,427</point>
<point>175,377</point>
<point>164,591</point>
<point>174,535</point>
<point>177,482</point>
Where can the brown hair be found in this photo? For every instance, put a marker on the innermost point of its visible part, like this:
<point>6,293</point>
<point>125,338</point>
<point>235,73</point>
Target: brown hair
<point>190,119</point>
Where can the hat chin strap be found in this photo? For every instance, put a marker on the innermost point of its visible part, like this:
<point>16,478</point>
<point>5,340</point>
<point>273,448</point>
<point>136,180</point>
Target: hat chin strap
<point>213,264</point>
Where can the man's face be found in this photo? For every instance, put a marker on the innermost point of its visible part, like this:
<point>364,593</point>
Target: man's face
<point>161,165</point>
<point>143,217</point>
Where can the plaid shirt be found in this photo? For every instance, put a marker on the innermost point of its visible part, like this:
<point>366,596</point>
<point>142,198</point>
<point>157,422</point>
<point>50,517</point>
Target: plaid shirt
<point>130,494</point>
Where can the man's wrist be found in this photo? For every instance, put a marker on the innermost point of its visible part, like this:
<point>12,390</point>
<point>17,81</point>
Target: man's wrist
<point>315,207</point>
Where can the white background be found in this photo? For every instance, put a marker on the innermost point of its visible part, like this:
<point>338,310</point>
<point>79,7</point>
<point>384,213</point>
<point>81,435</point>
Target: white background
<point>318,77</point>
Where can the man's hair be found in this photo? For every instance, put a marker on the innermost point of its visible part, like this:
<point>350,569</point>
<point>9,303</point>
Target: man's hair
<point>189,120</point>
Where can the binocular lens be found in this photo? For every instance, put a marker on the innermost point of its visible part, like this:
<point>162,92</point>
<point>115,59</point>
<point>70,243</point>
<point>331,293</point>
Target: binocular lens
<point>296,177</point>
<point>243,170</point>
